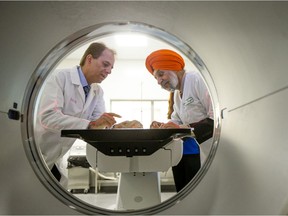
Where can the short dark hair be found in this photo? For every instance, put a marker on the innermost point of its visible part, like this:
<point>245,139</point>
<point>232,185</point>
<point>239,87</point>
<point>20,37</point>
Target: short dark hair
<point>95,49</point>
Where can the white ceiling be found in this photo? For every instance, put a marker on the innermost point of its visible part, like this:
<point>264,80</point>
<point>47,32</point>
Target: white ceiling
<point>133,50</point>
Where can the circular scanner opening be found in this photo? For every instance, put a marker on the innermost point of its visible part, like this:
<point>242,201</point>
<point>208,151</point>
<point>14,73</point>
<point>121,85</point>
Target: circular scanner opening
<point>60,55</point>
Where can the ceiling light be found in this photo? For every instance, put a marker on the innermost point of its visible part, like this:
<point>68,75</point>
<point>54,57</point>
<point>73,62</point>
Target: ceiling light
<point>131,40</point>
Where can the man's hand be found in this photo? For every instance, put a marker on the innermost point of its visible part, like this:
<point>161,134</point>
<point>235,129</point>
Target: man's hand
<point>106,120</point>
<point>170,125</point>
<point>156,124</point>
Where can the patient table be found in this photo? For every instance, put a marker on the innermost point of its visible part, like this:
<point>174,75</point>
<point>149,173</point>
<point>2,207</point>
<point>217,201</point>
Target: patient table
<point>138,154</point>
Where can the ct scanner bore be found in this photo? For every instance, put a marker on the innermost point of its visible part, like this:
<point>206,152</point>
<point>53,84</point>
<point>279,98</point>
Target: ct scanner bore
<point>49,63</point>
<point>243,43</point>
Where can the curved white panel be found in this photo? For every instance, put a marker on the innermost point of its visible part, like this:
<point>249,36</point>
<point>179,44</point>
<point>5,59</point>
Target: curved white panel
<point>243,44</point>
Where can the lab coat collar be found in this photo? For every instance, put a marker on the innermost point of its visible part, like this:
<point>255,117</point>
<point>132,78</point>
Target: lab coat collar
<point>93,90</point>
<point>75,79</point>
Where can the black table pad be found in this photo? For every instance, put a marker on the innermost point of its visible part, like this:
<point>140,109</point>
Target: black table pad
<point>127,142</point>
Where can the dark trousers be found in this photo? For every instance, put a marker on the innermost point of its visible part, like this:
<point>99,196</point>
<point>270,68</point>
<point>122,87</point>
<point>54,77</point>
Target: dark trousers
<point>56,172</point>
<point>185,170</point>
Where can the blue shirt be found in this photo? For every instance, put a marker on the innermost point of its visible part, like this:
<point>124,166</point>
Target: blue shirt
<point>190,146</point>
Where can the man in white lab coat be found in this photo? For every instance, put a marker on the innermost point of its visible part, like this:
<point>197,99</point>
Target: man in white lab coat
<point>192,108</point>
<point>64,104</point>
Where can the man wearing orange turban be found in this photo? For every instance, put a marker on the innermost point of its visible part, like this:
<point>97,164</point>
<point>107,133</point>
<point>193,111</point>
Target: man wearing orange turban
<point>165,60</point>
<point>192,108</point>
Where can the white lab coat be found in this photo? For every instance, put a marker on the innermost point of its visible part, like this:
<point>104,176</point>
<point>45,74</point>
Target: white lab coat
<point>63,106</point>
<point>195,104</point>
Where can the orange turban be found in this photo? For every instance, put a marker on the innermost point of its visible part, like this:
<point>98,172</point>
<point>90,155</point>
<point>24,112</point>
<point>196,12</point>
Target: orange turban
<point>164,60</point>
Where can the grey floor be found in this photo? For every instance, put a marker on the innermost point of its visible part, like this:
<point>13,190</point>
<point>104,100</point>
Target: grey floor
<point>108,200</point>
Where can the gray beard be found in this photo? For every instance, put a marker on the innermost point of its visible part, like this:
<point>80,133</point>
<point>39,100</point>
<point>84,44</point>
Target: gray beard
<point>173,82</point>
